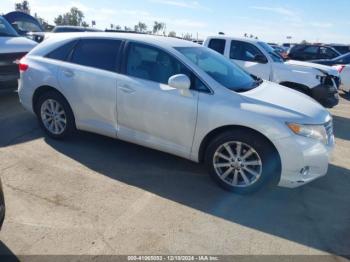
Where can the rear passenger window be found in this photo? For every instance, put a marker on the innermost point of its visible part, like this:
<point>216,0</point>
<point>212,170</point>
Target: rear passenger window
<point>97,53</point>
<point>218,45</point>
<point>62,52</point>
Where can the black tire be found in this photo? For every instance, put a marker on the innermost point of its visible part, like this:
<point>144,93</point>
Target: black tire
<point>69,117</point>
<point>270,168</point>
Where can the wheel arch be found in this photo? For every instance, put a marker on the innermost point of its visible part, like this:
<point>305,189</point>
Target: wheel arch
<point>214,133</point>
<point>296,86</point>
<point>42,90</point>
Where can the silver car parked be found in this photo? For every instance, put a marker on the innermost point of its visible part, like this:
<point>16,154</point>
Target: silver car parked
<point>181,98</point>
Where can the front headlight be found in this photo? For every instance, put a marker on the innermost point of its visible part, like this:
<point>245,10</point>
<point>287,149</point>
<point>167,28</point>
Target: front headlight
<point>312,131</point>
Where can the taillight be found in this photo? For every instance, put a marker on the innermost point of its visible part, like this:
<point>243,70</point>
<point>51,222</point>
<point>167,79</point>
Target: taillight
<point>22,67</point>
<point>340,68</point>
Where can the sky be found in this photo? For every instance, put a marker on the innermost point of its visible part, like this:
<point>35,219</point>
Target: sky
<point>270,20</point>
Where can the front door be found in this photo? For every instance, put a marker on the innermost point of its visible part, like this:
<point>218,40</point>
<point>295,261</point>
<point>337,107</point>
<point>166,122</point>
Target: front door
<point>150,112</point>
<point>244,54</point>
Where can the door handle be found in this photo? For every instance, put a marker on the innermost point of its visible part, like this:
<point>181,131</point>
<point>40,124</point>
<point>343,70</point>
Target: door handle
<point>127,89</point>
<point>68,73</point>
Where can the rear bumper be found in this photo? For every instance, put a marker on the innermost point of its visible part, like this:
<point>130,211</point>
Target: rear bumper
<point>326,95</point>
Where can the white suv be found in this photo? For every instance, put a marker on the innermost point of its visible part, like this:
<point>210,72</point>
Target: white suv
<point>181,98</point>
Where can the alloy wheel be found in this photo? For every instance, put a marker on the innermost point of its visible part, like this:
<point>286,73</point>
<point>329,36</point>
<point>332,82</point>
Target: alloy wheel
<point>53,116</point>
<point>237,164</point>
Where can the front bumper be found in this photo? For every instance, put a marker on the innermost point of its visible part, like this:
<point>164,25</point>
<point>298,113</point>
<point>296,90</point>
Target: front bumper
<point>326,95</point>
<point>300,153</point>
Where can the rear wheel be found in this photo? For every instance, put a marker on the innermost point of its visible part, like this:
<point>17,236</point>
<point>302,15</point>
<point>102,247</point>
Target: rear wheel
<point>242,162</point>
<point>55,115</point>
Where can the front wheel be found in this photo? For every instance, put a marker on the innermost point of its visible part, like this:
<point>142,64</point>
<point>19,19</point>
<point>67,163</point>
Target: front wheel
<point>242,162</point>
<point>55,115</point>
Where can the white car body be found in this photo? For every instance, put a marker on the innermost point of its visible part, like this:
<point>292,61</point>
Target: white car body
<point>345,76</point>
<point>170,120</point>
<point>303,74</point>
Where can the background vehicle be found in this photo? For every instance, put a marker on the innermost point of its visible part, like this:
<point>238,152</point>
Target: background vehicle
<point>2,206</point>
<point>339,60</point>
<point>280,50</point>
<point>178,97</point>
<point>312,52</point>
<point>25,25</point>
<point>342,64</point>
<point>258,58</point>
<point>12,48</point>
<point>72,29</point>
<point>41,36</point>
<point>343,49</point>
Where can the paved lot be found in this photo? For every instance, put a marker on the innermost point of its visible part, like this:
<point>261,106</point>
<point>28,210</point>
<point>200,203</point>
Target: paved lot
<point>95,195</point>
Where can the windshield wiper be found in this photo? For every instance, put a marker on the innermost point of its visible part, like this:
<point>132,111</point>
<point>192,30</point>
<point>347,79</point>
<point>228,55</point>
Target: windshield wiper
<point>258,81</point>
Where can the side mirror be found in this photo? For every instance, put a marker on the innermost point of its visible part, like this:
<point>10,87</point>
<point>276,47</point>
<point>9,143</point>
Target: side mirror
<point>261,59</point>
<point>181,82</point>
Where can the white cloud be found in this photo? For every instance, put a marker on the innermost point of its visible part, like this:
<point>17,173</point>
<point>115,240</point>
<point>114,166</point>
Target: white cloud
<point>277,10</point>
<point>321,24</point>
<point>183,4</point>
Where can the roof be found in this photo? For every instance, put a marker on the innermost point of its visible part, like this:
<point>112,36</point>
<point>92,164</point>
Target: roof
<point>243,39</point>
<point>150,39</point>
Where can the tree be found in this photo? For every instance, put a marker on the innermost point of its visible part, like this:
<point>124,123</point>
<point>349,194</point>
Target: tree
<point>158,27</point>
<point>23,7</point>
<point>73,17</point>
<point>142,27</point>
<point>126,28</point>
<point>172,34</point>
<point>187,36</point>
<point>118,27</point>
<point>84,24</point>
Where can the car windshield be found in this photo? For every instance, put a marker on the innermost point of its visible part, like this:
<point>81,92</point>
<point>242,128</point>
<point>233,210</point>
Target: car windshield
<point>6,29</point>
<point>275,56</point>
<point>220,69</point>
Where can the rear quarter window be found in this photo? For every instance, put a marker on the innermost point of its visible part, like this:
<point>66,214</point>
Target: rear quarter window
<point>218,45</point>
<point>62,53</point>
<point>97,53</point>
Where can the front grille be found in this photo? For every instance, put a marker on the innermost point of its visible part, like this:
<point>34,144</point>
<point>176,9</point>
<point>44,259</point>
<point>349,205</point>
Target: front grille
<point>330,133</point>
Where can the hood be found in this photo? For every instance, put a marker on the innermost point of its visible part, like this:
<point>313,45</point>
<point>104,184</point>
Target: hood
<point>326,69</point>
<point>16,45</point>
<point>284,103</point>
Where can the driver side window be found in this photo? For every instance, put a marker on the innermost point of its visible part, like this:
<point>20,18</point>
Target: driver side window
<point>153,64</point>
<point>244,51</point>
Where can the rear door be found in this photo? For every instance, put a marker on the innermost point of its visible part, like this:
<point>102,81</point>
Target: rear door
<point>244,54</point>
<point>90,80</point>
